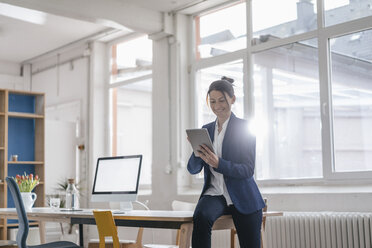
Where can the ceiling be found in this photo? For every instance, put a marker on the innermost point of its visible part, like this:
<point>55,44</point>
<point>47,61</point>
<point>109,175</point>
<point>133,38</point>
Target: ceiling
<point>164,5</point>
<point>21,40</point>
<point>26,33</point>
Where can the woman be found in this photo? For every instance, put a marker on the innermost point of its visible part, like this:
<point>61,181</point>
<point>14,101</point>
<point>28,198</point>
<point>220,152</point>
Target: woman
<point>229,186</point>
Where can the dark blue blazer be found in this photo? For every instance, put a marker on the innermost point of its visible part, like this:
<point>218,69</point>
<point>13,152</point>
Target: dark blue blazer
<point>236,164</point>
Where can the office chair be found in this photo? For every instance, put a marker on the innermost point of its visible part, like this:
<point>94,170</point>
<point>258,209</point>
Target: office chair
<point>107,228</point>
<point>233,231</point>
<point>23,227</point>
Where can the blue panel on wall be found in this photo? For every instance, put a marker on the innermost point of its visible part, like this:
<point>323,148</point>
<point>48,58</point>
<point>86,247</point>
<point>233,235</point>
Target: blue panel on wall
<point>21,138</point>
<point>21,103</point>
<point>20,169</point>
<point>21,141</point>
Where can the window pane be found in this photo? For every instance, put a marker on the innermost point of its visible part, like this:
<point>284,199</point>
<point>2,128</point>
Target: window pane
<point>132,123</point>
<point>338,11</point>
<point>287,113</point>
<point>280,19</point>
<point>133,59</point>
<point>221,31</point>
<point>351,57</point>
<point>206,76</point>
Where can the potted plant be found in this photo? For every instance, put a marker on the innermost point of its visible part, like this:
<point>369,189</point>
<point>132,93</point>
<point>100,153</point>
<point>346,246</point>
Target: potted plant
<point>26,183</point>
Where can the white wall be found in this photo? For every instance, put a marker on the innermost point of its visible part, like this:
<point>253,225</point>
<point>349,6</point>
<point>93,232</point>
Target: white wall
<point>66,92</point>
<point>10,76</point>
<point>60,159</point>
<point>10,68</point>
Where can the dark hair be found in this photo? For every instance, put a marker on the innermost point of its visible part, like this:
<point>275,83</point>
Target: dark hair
<point>224,85</point>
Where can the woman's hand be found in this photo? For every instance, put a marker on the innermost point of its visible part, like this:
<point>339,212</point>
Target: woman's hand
<point>208,156</point>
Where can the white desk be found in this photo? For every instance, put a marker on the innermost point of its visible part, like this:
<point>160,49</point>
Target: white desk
<point>136,218</point>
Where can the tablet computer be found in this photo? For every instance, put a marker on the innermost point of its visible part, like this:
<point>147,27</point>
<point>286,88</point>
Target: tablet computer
<point>198,137</point>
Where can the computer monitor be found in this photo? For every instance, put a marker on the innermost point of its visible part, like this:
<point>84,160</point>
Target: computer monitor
<point>117,179</point>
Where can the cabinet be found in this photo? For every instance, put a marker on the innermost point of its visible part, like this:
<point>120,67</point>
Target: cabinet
<point>22,126</point>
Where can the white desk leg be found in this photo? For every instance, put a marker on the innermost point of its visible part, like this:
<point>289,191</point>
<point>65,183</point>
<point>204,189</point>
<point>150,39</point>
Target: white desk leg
<point>185,235</point>
<point>42,231</point>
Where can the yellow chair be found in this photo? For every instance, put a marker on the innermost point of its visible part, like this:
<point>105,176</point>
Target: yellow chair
<point>107,228</point>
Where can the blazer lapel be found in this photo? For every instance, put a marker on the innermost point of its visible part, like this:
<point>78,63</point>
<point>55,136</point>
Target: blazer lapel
<point>226,140</point>
<point>211,131</point>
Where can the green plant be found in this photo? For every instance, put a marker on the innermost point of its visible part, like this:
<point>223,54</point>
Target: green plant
<point>62,186</point>
<point>27,183</point>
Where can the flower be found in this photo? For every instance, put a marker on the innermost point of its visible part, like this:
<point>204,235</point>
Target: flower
<point>26,183</point>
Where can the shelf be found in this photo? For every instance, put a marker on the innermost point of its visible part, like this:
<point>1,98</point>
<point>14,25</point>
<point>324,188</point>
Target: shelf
<point>25,115</point>
<point>27,93</point>
<point>22,121</point>
<point>12,224</point>
<point>25,162</point>
<point>16,224</point>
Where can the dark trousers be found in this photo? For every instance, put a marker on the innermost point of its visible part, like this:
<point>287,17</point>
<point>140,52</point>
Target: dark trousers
<point>210,208</point>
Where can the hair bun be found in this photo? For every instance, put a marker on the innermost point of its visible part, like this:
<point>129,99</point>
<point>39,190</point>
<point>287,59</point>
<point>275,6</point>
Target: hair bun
<point>230,80</point>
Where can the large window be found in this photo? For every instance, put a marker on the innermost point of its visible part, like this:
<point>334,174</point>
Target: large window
<point>283,18</point>
<point>338,11</point>
<point>132,59</point>
<point>131,102</point>
<point>352,101</point>
<point>222,31</point>
<point>306,86</point>
<point>287,112</point>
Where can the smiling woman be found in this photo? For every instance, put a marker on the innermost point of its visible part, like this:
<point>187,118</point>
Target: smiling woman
<point>221,98</point>
<point>229,186</point>
<point>205,76</point>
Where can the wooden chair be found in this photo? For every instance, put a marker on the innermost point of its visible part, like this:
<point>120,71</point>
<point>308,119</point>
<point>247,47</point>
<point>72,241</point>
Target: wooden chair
<point>107,228</point>
<point>233,231</point>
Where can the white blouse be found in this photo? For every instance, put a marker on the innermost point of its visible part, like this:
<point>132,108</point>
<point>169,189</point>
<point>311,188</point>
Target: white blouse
<point>218,186</point>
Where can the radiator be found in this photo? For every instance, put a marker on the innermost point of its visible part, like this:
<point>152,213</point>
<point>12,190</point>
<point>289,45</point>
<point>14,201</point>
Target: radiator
<point>319,230</point>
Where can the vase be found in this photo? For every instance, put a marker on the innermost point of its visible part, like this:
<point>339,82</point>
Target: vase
<point>29,199</point>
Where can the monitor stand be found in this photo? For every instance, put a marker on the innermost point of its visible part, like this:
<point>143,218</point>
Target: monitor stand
<point>126,206</point>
